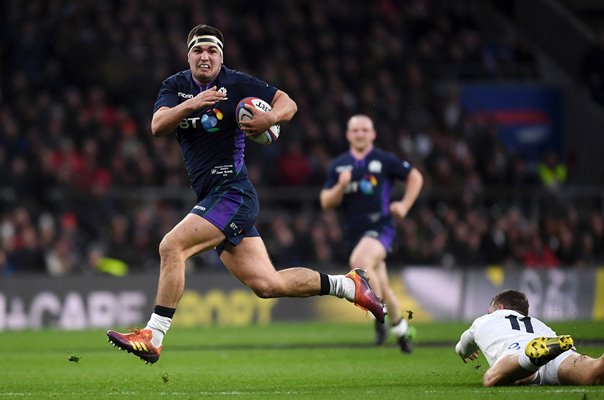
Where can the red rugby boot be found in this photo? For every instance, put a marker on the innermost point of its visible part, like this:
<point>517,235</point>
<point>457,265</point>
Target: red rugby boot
<point>137,342</point>
<point>364,296</point>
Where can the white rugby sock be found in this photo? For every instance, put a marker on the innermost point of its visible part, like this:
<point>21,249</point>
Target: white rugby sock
<point>526,363</point>
<point>341,286</point>
<point>159,326</point>
<point>400,329</point>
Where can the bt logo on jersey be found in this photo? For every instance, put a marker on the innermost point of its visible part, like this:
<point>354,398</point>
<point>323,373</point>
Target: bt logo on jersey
<point>189,123</point>
<point>367,184</point>
<point>209,121</point>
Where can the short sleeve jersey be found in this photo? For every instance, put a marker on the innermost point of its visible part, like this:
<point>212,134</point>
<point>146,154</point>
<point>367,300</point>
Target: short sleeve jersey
<point>212,145</point>
<point>494,333</point>
<point>366,201</point>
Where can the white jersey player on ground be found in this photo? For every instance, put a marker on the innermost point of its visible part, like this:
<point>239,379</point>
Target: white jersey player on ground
<point>523,350</point>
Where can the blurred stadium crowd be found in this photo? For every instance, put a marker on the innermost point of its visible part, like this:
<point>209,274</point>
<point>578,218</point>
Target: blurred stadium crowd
<point>85,187</point>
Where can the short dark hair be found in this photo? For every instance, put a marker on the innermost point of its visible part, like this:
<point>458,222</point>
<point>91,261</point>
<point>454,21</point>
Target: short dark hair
<point>512,300</point>
<point>204,29</point>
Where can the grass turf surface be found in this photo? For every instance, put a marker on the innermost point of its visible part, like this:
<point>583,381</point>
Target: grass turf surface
<point>294,361</point>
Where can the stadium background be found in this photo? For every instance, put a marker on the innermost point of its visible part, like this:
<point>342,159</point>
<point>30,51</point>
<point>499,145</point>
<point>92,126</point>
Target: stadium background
<point>500,110</point>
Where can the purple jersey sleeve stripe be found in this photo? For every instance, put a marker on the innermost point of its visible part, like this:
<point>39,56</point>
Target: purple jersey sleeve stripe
<point>386,197</point>
<point>239,149</point>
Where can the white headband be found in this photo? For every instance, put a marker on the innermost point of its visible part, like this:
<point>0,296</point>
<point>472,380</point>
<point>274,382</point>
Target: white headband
<point>205,40</point>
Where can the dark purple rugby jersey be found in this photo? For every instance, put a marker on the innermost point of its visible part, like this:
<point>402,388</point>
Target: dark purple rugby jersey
<point>366,201</point>
<point>212,145</point>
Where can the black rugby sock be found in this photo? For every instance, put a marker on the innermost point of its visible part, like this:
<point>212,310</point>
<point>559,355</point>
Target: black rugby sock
<point>164,311</point>
<point>325,284</point>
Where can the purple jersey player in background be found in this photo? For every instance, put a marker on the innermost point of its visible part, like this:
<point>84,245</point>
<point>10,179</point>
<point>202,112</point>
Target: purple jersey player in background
<point>359,182</point>
<point>199,105</point>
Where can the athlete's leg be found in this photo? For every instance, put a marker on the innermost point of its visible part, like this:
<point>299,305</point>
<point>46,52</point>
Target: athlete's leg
<point>507,371</point>
<point>394,312</point>
<point>371,254</point>
<point>190,236</point>
<point>579,369</point>
<point>249,262</point>
<point>368,254</point>
<point>400,327</point>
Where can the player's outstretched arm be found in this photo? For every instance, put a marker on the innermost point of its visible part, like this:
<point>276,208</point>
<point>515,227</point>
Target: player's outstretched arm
<point>466,348</point>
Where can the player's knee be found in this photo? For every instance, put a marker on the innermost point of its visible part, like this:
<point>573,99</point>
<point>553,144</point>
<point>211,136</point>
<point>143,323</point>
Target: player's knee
<point>264,288</point>
<point>264,294</point>
<point>490,379</point>
<point>359,262</point>
<point>264,291</point>
<point>489,382</point>
<point>168,247</point>
<point>597,377</point>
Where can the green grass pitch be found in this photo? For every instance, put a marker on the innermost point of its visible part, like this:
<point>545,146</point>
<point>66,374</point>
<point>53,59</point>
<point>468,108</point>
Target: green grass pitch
<point>278,361</point>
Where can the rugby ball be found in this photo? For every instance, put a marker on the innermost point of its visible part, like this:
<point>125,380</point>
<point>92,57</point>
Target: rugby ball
<point>258,105</point>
